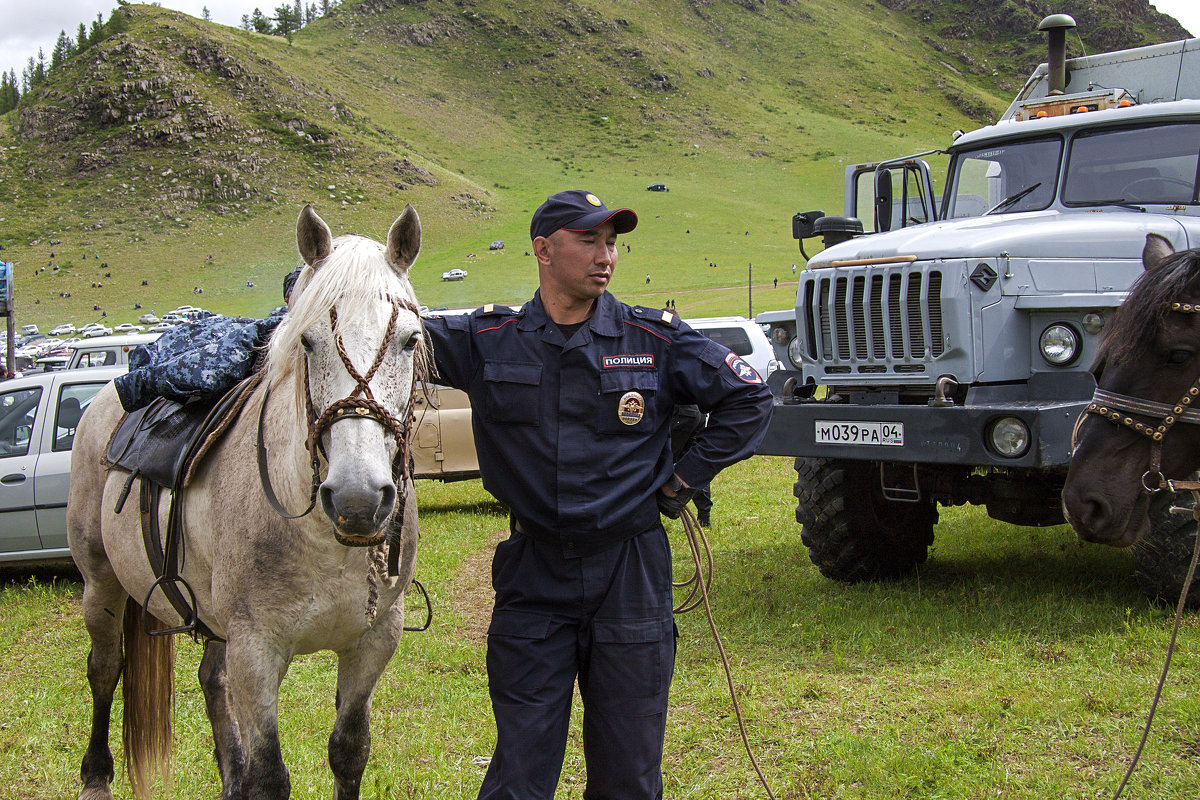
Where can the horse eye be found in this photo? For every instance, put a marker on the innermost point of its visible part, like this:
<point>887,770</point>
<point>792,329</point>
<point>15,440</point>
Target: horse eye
<point>306,344</point>
<point>412,342</point>
<point>1179,357</point>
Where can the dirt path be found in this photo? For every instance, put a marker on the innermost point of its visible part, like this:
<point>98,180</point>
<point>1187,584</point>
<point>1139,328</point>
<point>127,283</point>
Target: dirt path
<point>471,591</point>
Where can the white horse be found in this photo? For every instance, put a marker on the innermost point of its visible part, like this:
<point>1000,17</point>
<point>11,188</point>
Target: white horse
<point>335,401</point>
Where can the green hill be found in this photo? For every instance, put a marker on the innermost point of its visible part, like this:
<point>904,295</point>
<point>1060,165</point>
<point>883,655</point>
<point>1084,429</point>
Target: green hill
<point>178,152</point>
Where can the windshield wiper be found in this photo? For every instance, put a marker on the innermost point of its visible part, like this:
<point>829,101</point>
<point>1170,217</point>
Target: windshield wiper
<point>1008,201</point>
<point>1118,201</point>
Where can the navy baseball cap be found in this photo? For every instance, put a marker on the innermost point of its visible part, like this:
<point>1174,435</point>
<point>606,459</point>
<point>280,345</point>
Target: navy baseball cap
<point>576,210</point>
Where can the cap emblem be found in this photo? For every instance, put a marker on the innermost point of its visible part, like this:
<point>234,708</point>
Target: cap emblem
<point>591,198</point>
<point>631,408</point>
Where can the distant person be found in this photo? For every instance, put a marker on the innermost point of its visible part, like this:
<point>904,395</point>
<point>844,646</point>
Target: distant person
<point>647,277</point>
<point>777,283</point>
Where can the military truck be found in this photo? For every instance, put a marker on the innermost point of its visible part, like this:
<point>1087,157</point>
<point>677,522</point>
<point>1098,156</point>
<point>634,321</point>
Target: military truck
<point>940,349</point>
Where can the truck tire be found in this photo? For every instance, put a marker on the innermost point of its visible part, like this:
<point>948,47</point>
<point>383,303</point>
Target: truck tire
<point>1161,558</point>
<point>852,532</point>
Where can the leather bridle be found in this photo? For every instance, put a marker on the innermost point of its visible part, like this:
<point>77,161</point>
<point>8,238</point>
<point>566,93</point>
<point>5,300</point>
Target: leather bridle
<point>1117,407</point>
<point>359,404</point>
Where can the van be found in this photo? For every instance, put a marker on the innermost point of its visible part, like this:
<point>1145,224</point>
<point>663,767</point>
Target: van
<point>744,337</point>
<point>106,351</point>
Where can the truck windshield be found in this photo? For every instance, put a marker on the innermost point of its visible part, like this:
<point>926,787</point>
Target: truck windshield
<point>1155,164</point>
<point>1005,177</point>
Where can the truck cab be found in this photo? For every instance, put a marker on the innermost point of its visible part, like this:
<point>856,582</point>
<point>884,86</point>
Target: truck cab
<point>940,348</point>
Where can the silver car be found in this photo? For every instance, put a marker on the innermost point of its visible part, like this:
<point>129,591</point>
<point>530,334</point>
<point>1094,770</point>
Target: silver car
<point>38,415</point>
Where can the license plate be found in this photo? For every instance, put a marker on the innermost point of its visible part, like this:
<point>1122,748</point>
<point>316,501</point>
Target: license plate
<point>871,433</point>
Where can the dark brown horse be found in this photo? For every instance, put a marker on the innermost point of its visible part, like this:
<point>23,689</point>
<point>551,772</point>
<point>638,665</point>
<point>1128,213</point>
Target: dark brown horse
<point>1142,429</point>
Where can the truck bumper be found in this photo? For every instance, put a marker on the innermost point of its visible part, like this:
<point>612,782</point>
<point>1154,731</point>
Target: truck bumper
<point>931,435</point>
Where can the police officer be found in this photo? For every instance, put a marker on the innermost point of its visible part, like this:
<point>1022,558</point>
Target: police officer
<point>572,398</point>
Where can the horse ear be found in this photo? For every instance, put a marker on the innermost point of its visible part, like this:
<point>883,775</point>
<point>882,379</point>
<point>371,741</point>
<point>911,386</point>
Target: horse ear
<point>1156,251</point>
<point>404,240</point>
<point>313,236</point>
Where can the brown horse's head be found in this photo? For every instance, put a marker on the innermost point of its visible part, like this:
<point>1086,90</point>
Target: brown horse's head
<point>1151,352</point>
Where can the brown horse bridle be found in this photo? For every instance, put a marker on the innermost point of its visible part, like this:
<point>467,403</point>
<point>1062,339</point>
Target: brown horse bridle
<point>1116,408</point>
<point>359,404</point>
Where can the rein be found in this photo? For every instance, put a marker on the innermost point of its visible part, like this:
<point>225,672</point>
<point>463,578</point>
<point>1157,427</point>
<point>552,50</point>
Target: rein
<point>358,404</point>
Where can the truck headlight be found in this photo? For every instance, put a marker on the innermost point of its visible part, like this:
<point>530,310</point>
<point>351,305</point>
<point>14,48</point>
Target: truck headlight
<point>795,354</point>
<point>1059,344</point>
<point>1009,437</point>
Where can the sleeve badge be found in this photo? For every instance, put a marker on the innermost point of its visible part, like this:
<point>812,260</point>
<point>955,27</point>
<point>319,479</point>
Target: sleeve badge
<point>742,369</point>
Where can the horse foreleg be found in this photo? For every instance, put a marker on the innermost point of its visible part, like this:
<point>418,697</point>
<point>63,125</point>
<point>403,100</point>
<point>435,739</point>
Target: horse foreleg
<point>358,672</point>
<point>254,673</point>
<point>231,761</point>
<point>103,609</point>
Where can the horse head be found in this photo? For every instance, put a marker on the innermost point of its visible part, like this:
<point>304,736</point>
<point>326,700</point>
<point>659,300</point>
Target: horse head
<point>353,349</point>
<point>1140,428</point>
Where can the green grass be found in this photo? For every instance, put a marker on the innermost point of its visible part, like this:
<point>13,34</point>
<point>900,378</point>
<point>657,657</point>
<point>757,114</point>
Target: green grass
<point>1016,663</point>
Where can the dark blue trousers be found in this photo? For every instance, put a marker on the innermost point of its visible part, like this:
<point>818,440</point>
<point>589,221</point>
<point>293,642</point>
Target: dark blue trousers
<point>604,620</point>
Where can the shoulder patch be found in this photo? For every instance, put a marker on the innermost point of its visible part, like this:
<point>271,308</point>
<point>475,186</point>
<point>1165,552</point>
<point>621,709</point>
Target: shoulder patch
<point>658,315</point>
<point>742,369</point>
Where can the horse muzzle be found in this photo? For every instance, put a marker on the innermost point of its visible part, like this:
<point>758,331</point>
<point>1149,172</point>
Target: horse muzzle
<point>360,515</point>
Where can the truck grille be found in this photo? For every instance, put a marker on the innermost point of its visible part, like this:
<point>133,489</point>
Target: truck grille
<point>862,322</point>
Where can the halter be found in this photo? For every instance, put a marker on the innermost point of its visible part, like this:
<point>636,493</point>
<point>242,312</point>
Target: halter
<point>359,404</point>
<point>1114,407</point>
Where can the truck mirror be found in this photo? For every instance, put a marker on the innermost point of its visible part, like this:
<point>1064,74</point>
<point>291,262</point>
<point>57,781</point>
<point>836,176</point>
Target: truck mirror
<point>804,225</point>
<point>883,200</point>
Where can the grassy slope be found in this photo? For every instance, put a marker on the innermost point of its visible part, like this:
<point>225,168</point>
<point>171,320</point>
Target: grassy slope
<point>514,102</point>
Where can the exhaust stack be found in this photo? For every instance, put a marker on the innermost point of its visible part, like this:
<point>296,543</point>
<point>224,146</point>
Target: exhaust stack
<point>1056,26</point>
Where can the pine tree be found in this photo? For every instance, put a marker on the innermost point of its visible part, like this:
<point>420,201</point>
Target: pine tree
<point>260,22</point>
<point>97,32</point>
<point>205,14</point>
<point>81,39</point>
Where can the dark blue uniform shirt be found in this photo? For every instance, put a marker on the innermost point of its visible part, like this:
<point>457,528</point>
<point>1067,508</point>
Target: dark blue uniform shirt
<point>574,436</point>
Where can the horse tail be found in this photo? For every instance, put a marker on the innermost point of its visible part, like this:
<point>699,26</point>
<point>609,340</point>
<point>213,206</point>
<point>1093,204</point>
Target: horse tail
<point>148,692</point>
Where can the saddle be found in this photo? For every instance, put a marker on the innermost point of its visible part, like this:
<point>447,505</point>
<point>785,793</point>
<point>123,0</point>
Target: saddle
<point>161,444</point>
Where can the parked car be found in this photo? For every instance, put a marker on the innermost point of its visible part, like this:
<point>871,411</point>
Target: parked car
<point>744,337</point>
<point>29,330</point>
<point>160,327</point>
<point>454,275</point>
<point>64,329</point>
<point>128,327</point>
<point>657,187</point>
<point>93,329</point>
<point>107,351</point>
<point>147,319</point>
<point>38,415</point>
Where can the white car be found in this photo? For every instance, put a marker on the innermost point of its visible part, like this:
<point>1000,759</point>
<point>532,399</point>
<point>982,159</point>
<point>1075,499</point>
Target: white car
<point>454,275</point>
<point>128,327</point>
<point>744,337</point>
<point>65,329</point>
<point>148,319</point>
<point>94,329</point>
<point>38,415</point>
<point>160,327</point>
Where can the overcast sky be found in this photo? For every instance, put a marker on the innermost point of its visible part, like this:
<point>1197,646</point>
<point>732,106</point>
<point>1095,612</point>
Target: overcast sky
<point>29,25</point>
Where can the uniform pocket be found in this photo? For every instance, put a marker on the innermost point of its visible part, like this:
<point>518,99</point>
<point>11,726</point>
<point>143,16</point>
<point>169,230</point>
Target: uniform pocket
<point>635,655</point>
<point>627,402</point>
<point>512,391</point>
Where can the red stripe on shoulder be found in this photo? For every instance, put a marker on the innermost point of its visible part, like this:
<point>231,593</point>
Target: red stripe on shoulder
<point>498,327</point>
<point>647,330</point>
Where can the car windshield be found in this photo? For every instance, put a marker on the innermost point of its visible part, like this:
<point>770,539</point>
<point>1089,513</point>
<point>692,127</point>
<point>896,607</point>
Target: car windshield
<point>1005,177</point>
<point>1149,164</point>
